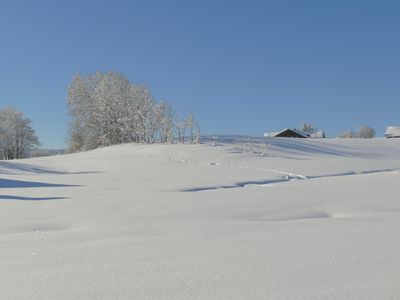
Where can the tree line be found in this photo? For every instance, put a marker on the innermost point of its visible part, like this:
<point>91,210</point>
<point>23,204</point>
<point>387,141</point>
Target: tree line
<point>106,109</point>
<point>364,131</point>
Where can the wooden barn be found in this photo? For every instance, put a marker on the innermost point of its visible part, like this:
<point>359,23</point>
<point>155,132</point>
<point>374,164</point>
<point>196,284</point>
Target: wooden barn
<point>292,133</point>
<point>295,133</point>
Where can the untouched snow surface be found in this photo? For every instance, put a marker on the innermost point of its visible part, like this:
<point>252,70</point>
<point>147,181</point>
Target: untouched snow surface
<point>234,218</point>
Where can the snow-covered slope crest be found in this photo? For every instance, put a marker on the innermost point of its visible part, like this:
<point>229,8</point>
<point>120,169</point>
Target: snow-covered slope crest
<point>233,218</point>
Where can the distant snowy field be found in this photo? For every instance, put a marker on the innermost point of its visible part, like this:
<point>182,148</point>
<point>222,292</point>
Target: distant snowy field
<point>233,218</point>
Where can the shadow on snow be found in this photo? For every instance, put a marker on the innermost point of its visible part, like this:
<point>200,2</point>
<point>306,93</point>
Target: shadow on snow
<point>239,184</point>
<point>9,197</point>
<point>7,167</point>
<point>292,146</point>
<point>9,183</point>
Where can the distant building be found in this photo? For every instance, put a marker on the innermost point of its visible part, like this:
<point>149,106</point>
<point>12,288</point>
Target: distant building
<point>318,134</point>
<point>392,132</point>
<point>295,133</point>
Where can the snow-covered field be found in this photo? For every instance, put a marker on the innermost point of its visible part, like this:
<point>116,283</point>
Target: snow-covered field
<point>236,218</point>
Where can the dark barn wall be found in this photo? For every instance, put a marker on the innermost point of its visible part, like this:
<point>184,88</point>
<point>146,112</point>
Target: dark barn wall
<point>290,133</point>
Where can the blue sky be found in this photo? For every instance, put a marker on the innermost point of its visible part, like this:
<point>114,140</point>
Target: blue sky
<point>243,67</point>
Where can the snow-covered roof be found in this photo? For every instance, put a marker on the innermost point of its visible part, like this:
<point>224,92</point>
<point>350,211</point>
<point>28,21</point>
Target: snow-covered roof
<point>392,131</point>
<point>318,134</point>
<point>303,133</point>
<point>271,134</point>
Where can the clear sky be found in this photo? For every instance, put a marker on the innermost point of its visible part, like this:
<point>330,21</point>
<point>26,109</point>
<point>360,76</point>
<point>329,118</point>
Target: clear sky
<point>243,67</point>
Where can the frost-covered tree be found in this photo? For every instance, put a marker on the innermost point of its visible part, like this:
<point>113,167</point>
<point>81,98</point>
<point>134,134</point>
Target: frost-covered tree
<point>85,122</point>
<point>166,122</point>
<point>181,126</point>
<point>142,113</point>
<point>111,98</point>
<point>348,135</point>
<point>307,127</point>
<point>365,132</point>
<point>190,123</point>
<point>193,128</point>
<point>197,134</point>
<point>106,109</point>
<point>16,134</point>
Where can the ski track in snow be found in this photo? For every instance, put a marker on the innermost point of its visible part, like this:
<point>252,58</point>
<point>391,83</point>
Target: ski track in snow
<point>285,175</point>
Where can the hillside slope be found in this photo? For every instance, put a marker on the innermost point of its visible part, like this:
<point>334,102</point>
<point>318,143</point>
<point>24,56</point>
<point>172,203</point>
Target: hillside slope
<point>234,218</point>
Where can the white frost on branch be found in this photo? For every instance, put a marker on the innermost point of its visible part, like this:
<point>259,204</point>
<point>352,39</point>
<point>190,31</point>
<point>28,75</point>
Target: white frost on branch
<point>106,109</point>
<point>16,134</point>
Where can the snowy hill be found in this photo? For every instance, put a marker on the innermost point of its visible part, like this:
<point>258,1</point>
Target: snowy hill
<point>233,218</point>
